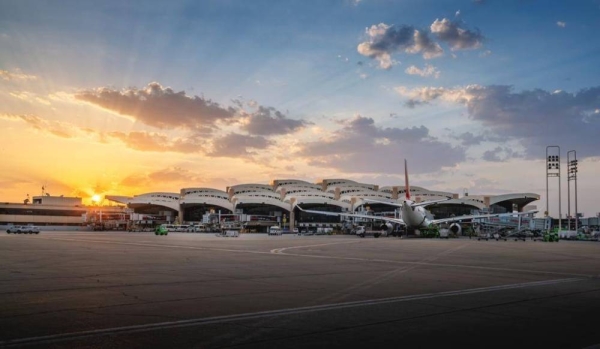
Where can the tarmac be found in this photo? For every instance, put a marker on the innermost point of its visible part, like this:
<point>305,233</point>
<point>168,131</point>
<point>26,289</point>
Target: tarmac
<point>186,290</point>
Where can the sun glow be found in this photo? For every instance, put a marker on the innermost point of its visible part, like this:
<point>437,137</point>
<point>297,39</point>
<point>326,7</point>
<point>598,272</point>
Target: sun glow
<point>96,198</point>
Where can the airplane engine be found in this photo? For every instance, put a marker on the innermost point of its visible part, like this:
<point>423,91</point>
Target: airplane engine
<point>386,226</point>
<point>455,228</point>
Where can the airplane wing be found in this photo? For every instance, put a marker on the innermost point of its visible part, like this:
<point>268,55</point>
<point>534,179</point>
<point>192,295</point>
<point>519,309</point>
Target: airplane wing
<point>431,202</point>
<point>384,202</point>
<point>391,220</point>
<point>424,203</point>
<point>460,218</point>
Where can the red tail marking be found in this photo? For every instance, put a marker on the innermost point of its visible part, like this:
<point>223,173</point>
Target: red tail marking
<point>406,181</point>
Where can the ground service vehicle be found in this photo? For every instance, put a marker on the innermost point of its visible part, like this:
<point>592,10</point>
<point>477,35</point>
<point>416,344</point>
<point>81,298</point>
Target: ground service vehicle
<point>23,229</point>
<point>161,230</point>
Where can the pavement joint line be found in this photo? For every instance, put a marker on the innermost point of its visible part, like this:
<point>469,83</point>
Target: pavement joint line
<point>270,313</point>
<point>376,260</point>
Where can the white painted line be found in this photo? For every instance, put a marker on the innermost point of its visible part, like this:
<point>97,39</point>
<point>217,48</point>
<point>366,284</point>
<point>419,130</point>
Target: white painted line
<point>262,314</point>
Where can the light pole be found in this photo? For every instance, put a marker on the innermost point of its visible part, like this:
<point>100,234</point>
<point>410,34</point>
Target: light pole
<point>553,170</point>
<point>572,176</point>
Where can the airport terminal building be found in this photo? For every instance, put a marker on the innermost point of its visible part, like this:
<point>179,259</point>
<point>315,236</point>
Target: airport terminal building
<point>255,206</point>
<point>259,206</point>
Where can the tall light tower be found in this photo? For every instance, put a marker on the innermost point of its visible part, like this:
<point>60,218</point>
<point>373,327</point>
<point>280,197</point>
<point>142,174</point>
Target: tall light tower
<point>553,170</point>
<point>572,176</point>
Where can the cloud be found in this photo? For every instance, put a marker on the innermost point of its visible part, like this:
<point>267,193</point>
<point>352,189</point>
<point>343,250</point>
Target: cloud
<point>160,107</point>
<point>458,38</point>
<point>16,75</point>
<point>536,118</point>
<point>238,145</point>
<point>428,70</point>
<point>57,128</point>
<point>500,154</point>
<point>171,175</point>
<point>362,147</point>
<point>485,53</point>
<point>561,24</point>
<point>384,40</point>
<point>424,95</point>
<point>468,139</point>
<point>268,121</point>
<point>151,141</point>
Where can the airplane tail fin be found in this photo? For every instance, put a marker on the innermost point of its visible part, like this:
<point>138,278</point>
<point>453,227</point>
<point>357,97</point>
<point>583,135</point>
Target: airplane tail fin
<point>406,181</point>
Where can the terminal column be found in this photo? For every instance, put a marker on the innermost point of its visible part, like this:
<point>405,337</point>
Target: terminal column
<point>292,215</point>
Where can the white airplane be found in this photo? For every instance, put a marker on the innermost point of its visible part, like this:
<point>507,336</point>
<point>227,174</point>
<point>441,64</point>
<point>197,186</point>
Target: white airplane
<point>414,214</point>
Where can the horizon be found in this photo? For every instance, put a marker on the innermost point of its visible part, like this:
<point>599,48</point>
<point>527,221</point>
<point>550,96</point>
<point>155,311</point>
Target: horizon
<point>126,99</point>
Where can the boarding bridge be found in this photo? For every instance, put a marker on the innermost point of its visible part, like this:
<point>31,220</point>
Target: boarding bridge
<point>493,225</point>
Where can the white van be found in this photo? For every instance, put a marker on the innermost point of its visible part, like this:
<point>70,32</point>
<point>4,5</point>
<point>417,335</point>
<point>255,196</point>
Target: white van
<point>275,230</point>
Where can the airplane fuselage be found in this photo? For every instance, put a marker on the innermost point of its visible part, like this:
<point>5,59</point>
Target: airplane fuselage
<point>413,217</point>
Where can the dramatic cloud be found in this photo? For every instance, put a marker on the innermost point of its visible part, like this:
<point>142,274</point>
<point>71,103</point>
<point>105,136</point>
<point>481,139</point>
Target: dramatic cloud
<point>160,107</point>
<point>16,75</point>
<point>384,40</point>
<point>237,145</point>
<point>351,148</point>
<point>561,24</point>
<point>151,141</point>
<point>537,117</point>
<point>428,70</point>
<point>457,37</point>
<point>268,121</point>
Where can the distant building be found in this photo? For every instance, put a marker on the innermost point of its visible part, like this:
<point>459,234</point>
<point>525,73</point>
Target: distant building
<point>58,212</point>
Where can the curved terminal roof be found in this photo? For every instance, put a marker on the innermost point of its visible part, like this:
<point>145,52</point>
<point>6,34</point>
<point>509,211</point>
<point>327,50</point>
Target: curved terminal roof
<point>316,200</point>
<point>348,186</point>
<point>308,195</point>
<point>508,200</point>
<point>288,188</point>
<point>119,198</point>
<point>286,193</point>
<point>277,183</point>
<point>206,196</point>
<point>260,198</point>
<point>169,200</point>
<point>249,188</point>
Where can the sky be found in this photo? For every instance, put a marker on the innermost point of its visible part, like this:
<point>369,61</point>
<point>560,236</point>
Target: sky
<point>130,97</point>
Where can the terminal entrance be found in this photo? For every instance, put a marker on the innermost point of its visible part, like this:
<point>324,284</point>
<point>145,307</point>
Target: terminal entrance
<point>196,212</point>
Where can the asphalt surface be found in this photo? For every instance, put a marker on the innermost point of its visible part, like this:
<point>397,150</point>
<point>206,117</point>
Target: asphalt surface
<point>138,290</point>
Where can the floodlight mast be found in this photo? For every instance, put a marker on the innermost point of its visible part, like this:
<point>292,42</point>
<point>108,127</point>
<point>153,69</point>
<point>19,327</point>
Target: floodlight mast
<point>553,170</point>
<point>572,176</point>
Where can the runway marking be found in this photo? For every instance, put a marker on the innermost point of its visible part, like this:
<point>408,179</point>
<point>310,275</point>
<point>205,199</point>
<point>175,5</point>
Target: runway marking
<point>270,313</point>
<point>281,253</point>
<point>280,250</point>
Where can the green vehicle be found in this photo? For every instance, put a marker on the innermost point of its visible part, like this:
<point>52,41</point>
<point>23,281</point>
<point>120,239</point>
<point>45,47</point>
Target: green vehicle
<point>161,230</point>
